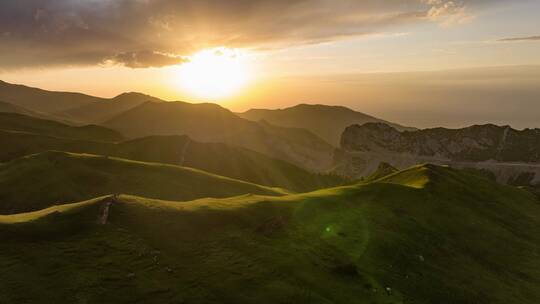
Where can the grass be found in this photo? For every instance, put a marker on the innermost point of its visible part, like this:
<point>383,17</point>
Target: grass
<point>41,180</point>
<point>425,235</point>
<point>221,159</point>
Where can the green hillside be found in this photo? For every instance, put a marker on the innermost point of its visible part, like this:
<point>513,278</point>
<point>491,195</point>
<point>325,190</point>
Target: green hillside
<point>424,235</point>
<point>41,180</point>
<point>221,159</point>
<point>23,123</point>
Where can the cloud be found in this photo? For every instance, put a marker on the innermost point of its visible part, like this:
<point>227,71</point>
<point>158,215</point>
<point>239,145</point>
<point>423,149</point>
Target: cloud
<point>90,32</point>
<point>448,12</point>
<point>520,39</point>
<point>145,59</point>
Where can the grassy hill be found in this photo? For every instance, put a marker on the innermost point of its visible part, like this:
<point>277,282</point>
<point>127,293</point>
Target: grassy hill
<point>328,122</point>
<point>41,180</point>
<point>24,123</point>
<point>221,159</point>
<point>423,235</point>
<point>212,123</point>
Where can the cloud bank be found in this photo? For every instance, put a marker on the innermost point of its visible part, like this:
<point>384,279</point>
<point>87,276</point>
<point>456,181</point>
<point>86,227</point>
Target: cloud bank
<point>520,39</point>
<point>155,33</point>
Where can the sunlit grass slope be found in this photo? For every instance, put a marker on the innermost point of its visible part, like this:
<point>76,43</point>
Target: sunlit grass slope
<point>41,180</point>
<point>425,235</point>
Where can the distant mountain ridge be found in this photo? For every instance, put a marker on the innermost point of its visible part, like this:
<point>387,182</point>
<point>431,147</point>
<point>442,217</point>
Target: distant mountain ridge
<point>43,101</point>
<point>326,121</point>
<point>99,112</point>
<point>24,123</point>
<point>69,106</point>
<point>212,123</point>
<point>21,136</point>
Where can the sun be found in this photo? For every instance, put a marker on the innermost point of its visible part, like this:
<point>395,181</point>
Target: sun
<point>215,73</point>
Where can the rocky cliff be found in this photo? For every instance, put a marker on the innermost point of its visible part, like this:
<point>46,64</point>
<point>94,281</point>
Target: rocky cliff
<point>475,143</point>
<point>508,153</point>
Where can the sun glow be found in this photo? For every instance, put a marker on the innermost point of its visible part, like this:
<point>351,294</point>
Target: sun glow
<point>215,73</point>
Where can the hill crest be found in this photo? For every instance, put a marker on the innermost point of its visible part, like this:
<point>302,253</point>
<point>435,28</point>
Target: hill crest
<point>69,177</point>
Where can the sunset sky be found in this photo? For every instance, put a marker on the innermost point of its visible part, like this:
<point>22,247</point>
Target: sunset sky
<point>417,62</point>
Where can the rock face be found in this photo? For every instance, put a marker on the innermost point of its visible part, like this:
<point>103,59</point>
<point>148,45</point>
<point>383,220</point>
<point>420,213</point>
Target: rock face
<point>475,143</point>
<point>508,153</point>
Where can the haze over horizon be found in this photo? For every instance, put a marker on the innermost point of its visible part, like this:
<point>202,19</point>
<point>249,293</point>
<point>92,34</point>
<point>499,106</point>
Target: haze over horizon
<point>422,63</point>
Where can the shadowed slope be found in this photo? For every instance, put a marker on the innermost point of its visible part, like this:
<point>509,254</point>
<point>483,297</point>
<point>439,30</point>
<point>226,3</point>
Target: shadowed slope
<point>37,181</point>
<point>227,160</point>
<point>221,159</point>
<point>11,108</point>
<point>383,170</point>
<point>384,242</point>
<point>212,123</point>
<point>23,123</point>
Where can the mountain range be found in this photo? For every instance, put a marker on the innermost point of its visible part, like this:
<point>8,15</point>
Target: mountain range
<point>138,115</point>
<point>43,101</point>
<point>213,123</point>
<point>24,135</point>
<point>137,199</point>
<point>328,122</point>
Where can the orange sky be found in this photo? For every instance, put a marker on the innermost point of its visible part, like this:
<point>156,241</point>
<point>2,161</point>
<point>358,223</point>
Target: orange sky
<point>355,53</point>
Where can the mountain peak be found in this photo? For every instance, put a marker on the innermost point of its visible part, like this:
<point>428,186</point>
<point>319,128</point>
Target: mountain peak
<point>136,97</point>
<point>326,121</point>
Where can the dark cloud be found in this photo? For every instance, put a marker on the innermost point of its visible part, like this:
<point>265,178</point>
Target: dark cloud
<point>89,32</point>
<point>519,39</point>
<point>146,59</point>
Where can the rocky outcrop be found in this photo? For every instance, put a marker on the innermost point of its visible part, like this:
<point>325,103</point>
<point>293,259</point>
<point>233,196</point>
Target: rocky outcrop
<point>510,154</point>
<point>475,143</point>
